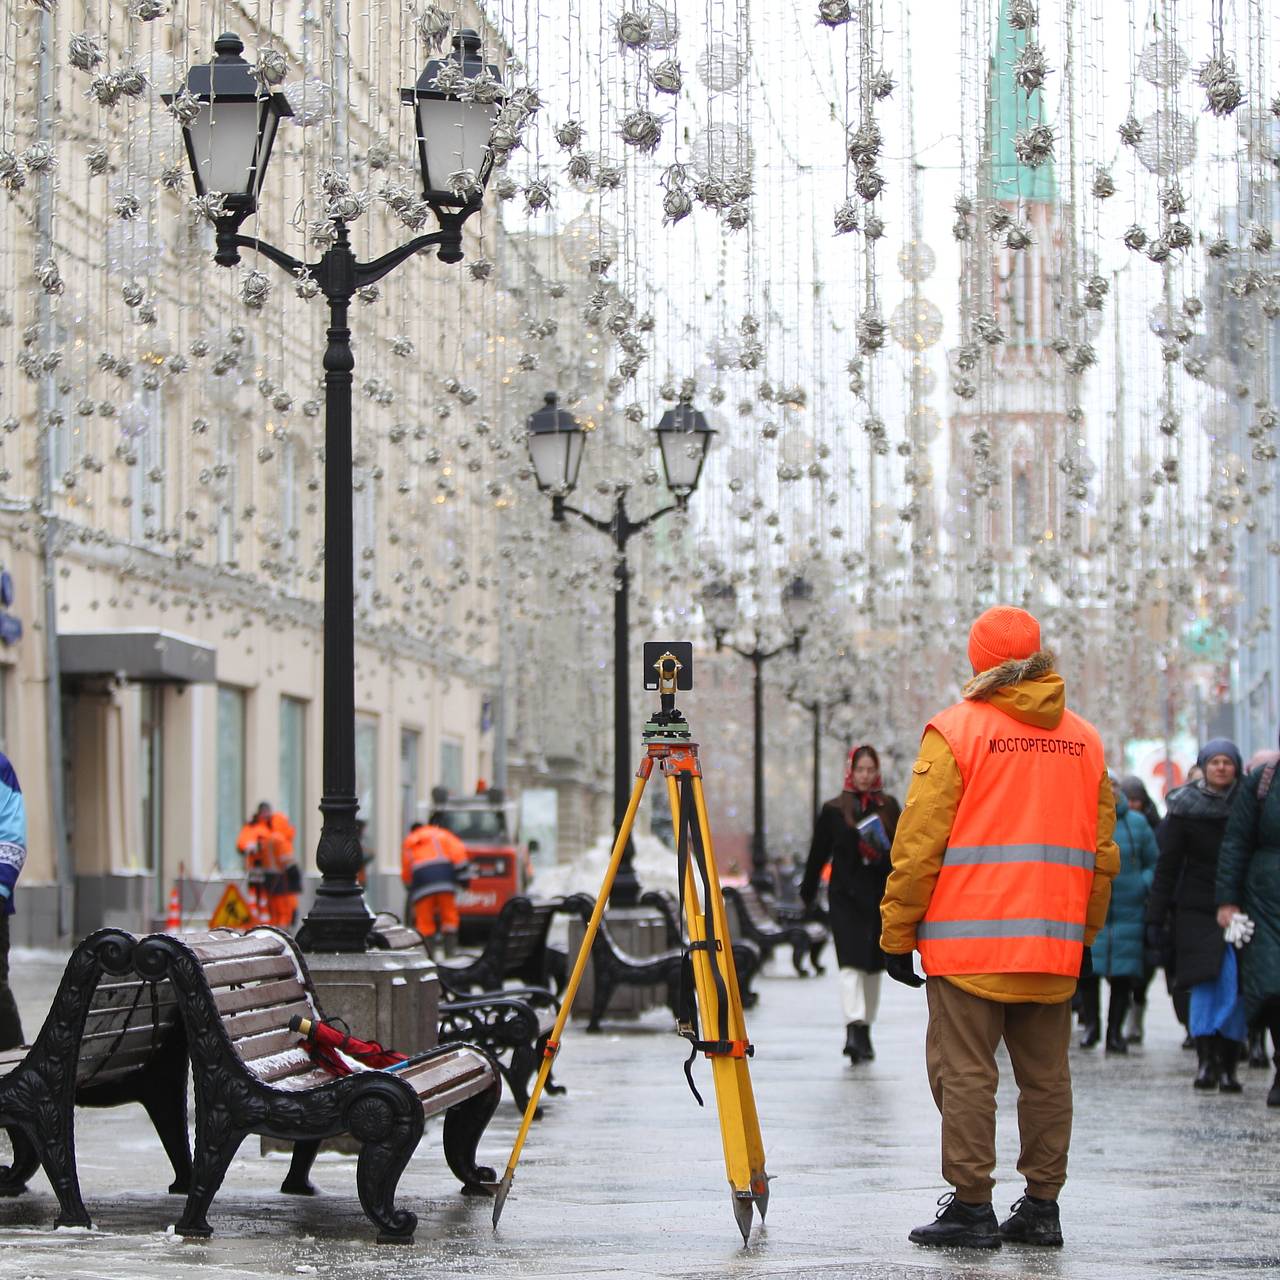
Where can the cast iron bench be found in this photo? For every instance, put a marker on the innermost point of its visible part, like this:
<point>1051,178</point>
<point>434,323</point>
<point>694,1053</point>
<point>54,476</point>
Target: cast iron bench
<point>746,955</point>
<point>236,994</point>
<point>511,1026</point>
<point>515,948</point>
<point>612,967</point>
<point>755,923</point>
<point>109,1038</point>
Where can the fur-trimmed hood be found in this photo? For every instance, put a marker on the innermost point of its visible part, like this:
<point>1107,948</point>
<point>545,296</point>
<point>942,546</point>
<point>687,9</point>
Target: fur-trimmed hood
<point>1028,689</point>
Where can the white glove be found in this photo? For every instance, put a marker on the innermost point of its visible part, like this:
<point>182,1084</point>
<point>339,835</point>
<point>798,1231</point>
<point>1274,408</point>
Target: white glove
<point>1239,931</point>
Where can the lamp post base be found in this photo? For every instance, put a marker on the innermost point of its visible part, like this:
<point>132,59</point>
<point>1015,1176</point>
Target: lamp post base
<point>339,920</point>
<point>626,887</point>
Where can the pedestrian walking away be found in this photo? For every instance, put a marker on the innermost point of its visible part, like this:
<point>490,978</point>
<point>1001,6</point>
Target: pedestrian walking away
<point>852,835</point>
<point>1248,888</point>
<point>1002,869</point>
<point>1184,892</point>
<point>1118,952</point>
<point>433,866</point>
<point>13,854</point>
<point>1140,801</point>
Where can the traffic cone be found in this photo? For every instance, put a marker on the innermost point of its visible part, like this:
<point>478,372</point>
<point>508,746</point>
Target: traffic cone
<point>173,921</point>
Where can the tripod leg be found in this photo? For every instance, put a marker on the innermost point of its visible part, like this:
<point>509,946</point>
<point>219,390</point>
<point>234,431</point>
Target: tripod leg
<point>552,1046</point>
<point>739,1121</point>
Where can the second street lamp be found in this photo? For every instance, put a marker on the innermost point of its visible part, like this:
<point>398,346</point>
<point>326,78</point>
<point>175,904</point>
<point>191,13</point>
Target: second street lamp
<point>720,605</point>
<point>556,439</point>
<point>229,122</point>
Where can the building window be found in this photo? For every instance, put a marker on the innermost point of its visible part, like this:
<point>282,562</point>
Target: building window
<point>232,808</point>
<point>367,776</point>
<point>293,770</point>
<point>451,765</point>
<point>410,749</point>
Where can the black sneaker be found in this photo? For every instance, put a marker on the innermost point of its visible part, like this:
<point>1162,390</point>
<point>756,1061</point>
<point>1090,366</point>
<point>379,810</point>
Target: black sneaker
<point>1033,1221</point>
<point>959,1226</point>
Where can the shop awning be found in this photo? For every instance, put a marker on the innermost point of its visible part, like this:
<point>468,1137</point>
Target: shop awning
<point>137,653</point>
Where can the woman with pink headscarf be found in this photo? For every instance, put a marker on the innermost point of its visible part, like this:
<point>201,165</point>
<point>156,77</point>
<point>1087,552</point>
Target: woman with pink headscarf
<point>854,833</point>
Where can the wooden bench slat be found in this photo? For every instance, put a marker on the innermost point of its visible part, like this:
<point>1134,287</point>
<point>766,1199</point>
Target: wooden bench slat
<point>246,947</point>
<point>258,969</point>
<point>262,1046</point>
<point>103,1043</point>
<point>276,1067</point>
<point>260,996</point>
<point>253,1022</point>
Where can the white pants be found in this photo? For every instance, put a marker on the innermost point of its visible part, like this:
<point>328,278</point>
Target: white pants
<point>860,995</point>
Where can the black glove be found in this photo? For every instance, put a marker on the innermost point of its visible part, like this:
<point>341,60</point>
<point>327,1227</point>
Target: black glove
<point>900,969</point>
<point>812,911</point>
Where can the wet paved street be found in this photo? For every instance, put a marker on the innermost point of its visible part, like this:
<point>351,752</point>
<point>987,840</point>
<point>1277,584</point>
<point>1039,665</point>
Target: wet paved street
<point>623,1177</point>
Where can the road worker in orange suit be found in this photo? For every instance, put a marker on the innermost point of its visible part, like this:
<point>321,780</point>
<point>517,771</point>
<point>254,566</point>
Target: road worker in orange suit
<point>433,866</point>
<point>275,882</point>
<point>1002,868</point>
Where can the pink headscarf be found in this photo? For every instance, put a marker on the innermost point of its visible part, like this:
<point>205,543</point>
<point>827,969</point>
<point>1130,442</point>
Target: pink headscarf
<point>871,797</point>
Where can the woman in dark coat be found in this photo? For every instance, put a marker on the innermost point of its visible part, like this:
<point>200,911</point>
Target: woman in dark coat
<point>1141,803</point>
<point>857,847</point>
<point>1117,952</point>
<point>1185,886</point>
<point>1249,881</point>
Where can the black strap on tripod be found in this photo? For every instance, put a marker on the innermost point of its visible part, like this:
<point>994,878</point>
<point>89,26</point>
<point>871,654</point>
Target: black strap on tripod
<point>690,844</point>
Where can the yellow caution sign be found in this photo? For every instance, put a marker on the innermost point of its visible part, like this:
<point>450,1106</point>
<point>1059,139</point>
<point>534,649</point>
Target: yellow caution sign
<point>232,911</point>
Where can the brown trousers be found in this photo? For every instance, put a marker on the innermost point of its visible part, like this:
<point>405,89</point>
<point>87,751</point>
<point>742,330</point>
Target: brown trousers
<point>960,1053</point>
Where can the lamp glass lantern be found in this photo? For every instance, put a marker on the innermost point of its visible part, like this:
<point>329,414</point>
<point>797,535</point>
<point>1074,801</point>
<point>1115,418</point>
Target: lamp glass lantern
<point>555,439</point>
<point>454,122</point>
<point>684,438</point>
<point>720,606</point>
<point>229,139</point>
<point>799,604</point>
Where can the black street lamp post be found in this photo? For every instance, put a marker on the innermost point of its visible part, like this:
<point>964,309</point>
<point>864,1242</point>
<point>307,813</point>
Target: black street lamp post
<point>720,604</point>
<point>229,123</point>
<point>556,440</point>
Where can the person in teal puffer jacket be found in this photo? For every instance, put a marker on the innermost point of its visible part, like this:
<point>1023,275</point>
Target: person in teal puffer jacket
<point>1118,949</point>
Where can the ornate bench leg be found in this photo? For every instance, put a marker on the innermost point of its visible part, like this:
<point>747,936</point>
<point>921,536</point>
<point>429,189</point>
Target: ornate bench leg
<point>210,1167</point>
<point>464,1126</point>
<point>14,1178</point>
<point>378,1173</point>
<point>165,1101</point>
<point>602,993</point>
<point>518,1072</point>
<point>555,1090</point>
<point>814,952</point>
<point>297,1181</point>
<point>799,950</point>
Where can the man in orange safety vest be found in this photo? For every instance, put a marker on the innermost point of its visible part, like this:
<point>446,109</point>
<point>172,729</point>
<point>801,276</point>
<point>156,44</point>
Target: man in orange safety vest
<point>433,866</point>
<point>266,841</point>
<point>1002,868</point>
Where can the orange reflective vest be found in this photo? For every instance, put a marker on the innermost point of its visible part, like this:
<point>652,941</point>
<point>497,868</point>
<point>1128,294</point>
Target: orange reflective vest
<point>1013,892</point>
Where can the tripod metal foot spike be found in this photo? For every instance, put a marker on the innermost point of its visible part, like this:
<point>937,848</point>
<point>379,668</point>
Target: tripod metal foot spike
<point>742,1212</point>
<point>500,1196</point>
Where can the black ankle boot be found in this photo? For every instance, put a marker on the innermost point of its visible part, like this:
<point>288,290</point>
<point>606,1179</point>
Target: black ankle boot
<point>1228,1057</point>
<point>1207,1057</point>
<point>959,1226</point>
<point>852,1049</point>
<point>1090,1034</point>
<point>1116,1042</point>
<point>1033,1221</point>
<point>862,1038</point>
<point>1273,1097</point>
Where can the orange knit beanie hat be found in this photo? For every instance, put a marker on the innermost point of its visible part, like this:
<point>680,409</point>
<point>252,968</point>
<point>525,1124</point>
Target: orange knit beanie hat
<point>1000,634</point>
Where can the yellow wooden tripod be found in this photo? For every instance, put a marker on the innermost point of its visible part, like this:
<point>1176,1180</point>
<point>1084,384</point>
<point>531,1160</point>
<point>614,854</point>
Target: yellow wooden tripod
<point>715,1003</point>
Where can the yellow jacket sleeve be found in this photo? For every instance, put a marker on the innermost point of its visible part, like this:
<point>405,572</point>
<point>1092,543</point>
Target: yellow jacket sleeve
<point>920,842</point>
<point>1106,862</point>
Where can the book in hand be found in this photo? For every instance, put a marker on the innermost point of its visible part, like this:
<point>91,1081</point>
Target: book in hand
<point>872,834</point>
